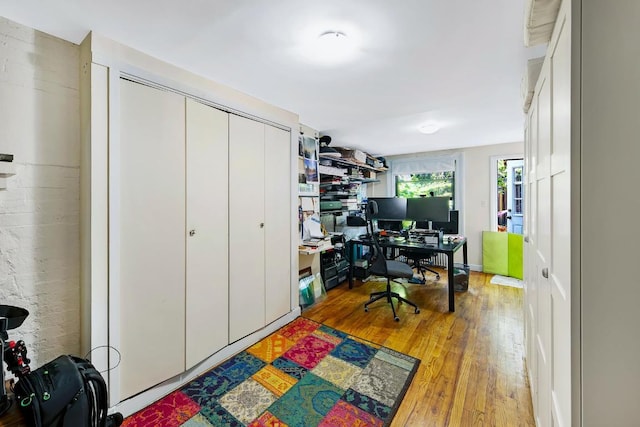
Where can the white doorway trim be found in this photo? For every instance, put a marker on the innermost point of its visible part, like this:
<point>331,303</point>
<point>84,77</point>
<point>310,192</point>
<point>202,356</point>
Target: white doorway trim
<point>493,200</point>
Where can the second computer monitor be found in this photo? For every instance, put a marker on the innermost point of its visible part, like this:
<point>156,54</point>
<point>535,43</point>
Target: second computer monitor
<point>428,209</point>
<point>391,208</point>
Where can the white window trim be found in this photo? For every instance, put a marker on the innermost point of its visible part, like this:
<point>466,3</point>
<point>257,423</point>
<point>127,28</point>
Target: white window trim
<point>426,163</point>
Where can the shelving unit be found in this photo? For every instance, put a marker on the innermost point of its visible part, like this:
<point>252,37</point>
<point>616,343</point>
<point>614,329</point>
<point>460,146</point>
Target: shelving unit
<point>342,180</point>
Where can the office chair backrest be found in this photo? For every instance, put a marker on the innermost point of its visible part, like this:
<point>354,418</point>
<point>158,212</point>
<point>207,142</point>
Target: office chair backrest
<point>378,261</point>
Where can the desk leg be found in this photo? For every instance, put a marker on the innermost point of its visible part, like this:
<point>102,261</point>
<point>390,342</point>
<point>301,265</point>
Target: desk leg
<point>350,259</point>
<point>450,279</point>
<point>464,254</point>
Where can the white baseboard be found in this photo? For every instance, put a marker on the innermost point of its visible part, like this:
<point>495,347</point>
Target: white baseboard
<point>146,398</point>
<point>475,267</point>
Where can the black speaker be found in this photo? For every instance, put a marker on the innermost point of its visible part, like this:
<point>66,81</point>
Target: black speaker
<point>453,216</point>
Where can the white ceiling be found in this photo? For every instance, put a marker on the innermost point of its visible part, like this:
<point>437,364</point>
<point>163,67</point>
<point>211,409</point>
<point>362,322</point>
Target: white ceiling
<point>456,62</point>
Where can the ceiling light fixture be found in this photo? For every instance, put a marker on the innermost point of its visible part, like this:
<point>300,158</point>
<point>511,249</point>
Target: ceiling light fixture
<point>334,47</point>
<point>334,37</point>
<point>429,128</point>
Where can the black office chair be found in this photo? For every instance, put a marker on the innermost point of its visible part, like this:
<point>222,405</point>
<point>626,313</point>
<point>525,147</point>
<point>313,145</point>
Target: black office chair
<point>416,257</point>
<point>380,266</point>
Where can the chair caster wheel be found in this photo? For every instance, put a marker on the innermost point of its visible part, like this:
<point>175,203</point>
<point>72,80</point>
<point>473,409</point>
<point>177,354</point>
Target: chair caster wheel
<point>438,277</point>
<point>366,309</point>
<point>417,310</point>
<point>397,319</point>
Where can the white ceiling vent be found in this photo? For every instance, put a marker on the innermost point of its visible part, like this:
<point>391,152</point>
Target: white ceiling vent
<point>539,19</point>
<point>534,66</point>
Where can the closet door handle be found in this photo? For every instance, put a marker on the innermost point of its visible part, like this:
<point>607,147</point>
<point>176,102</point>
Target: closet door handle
<point>545,273</point>
<point>192,233</point>
<point>262,225</point>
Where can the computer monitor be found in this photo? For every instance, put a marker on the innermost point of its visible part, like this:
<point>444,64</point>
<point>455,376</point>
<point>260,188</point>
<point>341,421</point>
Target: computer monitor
<point>447,227</point>
<point>390,208</point>
<point>428,209</point>
<point>388,225</point>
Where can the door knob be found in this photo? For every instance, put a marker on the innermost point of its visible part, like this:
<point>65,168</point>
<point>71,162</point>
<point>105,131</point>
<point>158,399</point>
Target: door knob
<point>192,233</point>
<point>526,239</point>
<point>545,273</point>
<point>262,225</point>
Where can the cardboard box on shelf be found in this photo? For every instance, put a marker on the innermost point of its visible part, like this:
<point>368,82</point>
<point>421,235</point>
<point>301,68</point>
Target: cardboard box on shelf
<point>355,155</point>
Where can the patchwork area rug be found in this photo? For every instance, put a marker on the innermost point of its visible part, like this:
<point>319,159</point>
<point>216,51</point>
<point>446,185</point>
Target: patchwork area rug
<point>304,374</point>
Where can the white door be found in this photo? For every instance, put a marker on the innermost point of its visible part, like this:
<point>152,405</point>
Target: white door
<point>515,196</point>
<point>246,227</point>
<point>277,222</point>
<point>560,256</point>
<point>541,255</point>
<point>530,240</point>
<point>548,276</point>
<point>207,284</point>
<point>151,211</point>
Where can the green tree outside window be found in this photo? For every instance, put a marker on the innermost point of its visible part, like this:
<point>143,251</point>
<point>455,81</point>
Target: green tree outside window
<point>438,184</point>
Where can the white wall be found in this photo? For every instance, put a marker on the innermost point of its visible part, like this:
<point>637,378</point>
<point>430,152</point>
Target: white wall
<point>39,210</point>
<point>475,208</point>
<point>609,207</point>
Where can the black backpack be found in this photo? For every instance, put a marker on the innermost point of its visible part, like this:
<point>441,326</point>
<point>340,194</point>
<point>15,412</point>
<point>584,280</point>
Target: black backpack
<point>66,392</point>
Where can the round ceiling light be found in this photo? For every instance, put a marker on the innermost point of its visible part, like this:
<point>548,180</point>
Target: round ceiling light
<point>333,37</point>
<point>334,46</point>
<point>428,128</point>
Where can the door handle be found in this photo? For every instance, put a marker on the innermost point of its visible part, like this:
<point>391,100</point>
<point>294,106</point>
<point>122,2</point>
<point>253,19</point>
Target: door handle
<point>262,225</point>
<point>192,233</point>
<point>545,273</point>
<point>526,239</point>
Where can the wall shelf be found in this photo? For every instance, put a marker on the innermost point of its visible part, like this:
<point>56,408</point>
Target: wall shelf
<point>7,169</point>
<point>347,162</point>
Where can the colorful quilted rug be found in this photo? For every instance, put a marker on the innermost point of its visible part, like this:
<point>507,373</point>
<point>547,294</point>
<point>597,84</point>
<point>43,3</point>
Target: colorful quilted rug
<point>304,374</point>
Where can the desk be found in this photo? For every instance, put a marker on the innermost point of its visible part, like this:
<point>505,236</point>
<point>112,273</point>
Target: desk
<point>444,247</point>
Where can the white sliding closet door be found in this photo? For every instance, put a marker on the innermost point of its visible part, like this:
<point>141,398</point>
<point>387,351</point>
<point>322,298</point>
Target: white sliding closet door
<point>278,222</point>
<point>246,227</point>
<point>207,286</point>
<point>151,248</point>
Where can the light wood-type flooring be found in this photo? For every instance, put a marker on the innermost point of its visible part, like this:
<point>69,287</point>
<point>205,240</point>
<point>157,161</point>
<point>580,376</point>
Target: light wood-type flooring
<point>472,370</point>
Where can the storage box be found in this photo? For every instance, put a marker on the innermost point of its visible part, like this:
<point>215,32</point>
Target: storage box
<point>355,155</point>
<point>363,263</point>
<point>360,273</point>
<point>331,170</point>
<point>330,205</point>
<point>331,283</point>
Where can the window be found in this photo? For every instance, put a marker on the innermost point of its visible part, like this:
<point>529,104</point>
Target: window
<point>439,184</point>
<point>517,190</point>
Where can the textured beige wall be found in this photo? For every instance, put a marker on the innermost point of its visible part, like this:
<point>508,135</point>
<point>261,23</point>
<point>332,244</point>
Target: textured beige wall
<point>39,210</point>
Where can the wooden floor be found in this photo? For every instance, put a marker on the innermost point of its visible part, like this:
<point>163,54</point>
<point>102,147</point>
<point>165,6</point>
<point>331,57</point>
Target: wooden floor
<point>472,371</point>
